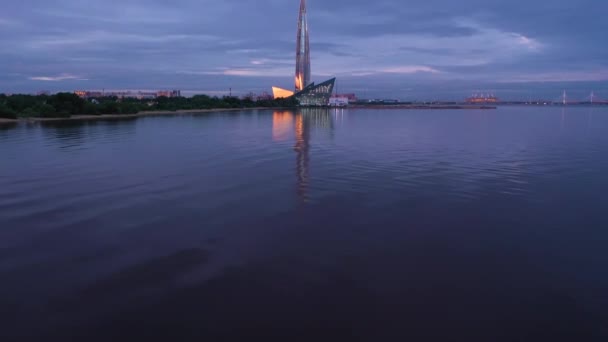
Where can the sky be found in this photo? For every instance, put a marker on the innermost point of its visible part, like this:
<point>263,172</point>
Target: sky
<point>404,49</point>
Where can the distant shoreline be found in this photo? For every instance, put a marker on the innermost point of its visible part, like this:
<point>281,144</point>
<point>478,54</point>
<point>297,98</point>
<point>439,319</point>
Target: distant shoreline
<point>418,106</point>
<point>201,111</point>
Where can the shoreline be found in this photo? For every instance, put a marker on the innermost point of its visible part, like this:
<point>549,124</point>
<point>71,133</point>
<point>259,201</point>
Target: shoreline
<point>89,117</point>
<point>8,121</point>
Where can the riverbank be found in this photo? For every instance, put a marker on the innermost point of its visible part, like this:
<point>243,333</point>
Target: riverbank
<point>7,121</point>
<point>132,116</point>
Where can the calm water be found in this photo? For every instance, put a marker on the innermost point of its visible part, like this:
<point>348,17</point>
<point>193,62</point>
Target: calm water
<point>351,225</point>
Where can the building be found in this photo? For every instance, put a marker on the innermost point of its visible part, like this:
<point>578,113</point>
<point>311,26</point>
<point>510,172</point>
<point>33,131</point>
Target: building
<point>281,93</point>
<point>351,97</point>
<point>302,78</point>
<point>481,98</point>
<point>336,101</point>
<point>85,94</point>
<point>316,95</point>
<point>169,93</point>
<point>306,92</point>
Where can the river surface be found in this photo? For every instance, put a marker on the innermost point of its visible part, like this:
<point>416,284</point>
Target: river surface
<point>355,225</point>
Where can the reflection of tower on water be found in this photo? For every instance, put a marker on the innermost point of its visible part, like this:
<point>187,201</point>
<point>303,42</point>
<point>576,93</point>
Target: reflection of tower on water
<point>302,122</point>
<point>306,119</point>
<point>302,156</point>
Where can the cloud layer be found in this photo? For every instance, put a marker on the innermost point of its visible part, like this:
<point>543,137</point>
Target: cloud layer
<point>417,48</point>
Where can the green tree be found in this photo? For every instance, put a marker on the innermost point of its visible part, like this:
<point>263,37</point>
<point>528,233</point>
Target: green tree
<point>90,108</point>
<point>108,107</point>
<point>128,108</point>
<point>67,103</point>
<point>47,111</point>
<point>7,113</point>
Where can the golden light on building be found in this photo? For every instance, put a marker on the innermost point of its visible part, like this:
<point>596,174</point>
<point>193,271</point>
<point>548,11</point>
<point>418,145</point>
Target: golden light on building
<point>299,82</point>
<point>280,93</point>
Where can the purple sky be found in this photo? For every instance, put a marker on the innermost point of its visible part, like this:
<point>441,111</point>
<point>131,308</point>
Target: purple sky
<point>415,49</point>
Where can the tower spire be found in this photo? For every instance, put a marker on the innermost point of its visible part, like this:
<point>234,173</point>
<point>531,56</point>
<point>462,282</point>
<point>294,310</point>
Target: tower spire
<point>302,77</point>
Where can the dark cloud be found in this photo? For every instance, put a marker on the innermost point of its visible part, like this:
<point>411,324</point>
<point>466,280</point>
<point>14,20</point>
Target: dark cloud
<point>206,45</point>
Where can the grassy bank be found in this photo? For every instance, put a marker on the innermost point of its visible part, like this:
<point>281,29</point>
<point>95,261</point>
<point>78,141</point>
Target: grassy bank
<point>88,117</point>
<point>68,105</point>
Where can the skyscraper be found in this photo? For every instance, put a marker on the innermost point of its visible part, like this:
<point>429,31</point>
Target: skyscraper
<point>306,93</point>
<point>302,50</point>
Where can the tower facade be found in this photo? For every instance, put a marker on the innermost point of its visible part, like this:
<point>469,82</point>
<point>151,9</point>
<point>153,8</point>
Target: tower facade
<point>302,50</point>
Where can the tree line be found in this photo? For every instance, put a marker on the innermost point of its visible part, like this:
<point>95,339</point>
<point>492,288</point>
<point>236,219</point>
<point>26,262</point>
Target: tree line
<point>64,105</point>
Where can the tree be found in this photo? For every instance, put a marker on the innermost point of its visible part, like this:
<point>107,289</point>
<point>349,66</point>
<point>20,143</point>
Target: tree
<point>7,113</point>
<point>108,107</point>
<point>19,103</point>
<point>90,108</point>
<point>47,111</point>
<point>128,108</point>
<point>67,103</point>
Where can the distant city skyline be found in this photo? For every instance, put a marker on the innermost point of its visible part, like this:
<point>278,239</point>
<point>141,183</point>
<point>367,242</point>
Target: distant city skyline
<point>416,50</point>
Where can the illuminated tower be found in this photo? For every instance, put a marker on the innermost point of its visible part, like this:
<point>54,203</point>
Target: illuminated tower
<point>302,50</point>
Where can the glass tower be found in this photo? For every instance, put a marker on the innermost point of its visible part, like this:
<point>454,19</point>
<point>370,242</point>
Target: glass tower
<point>302,50</point>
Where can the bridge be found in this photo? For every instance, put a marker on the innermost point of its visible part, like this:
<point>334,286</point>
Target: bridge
<point>591,99</point>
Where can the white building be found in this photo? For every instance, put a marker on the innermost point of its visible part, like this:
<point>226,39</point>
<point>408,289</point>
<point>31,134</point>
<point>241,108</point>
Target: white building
<point>338,101</point>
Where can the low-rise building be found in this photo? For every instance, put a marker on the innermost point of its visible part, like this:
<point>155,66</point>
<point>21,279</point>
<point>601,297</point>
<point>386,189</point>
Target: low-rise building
<point>336,101</point>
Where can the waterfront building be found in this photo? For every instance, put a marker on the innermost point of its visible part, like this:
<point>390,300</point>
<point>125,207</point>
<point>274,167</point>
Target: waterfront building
<point>316,95</point>
<point>351,97</point>
<point>281,93</point>
<point>482,98</point>
<point>302,78</point>
<point>306,92</point>
<point>336,101</point>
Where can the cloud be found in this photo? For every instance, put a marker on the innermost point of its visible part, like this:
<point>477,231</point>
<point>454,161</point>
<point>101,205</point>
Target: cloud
<point>559,76</point>
<point>200,44</point>
<point>272,62</point>
<point>531,44</point>
<point>240,72</point>
<point>62,77</point>
<point>102,37</point>
<point>410,69</point>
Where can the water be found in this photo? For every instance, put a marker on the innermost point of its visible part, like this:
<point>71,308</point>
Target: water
<point>350,224</point>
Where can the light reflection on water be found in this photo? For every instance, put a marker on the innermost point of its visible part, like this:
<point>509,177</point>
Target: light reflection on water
<point>436,218</point>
